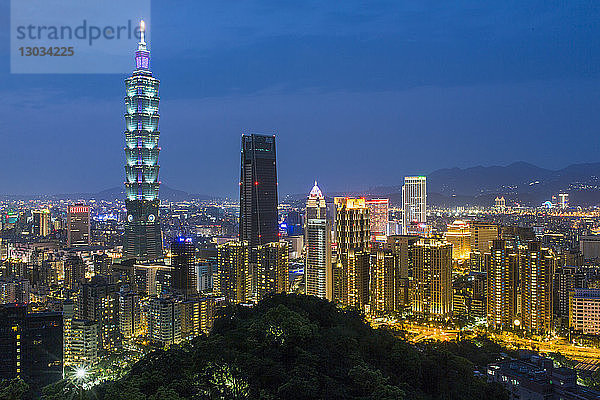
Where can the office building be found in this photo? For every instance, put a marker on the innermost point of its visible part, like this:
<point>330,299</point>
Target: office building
<point>432,274</point>
<point>317,232</point>
<point>414,202</point>
<point>258,191</point>
<point>563,201</point>
<point>41,222</point>
<point>352,239</point>
<point>459,235</point>
<point>80,339</point>
<point>183,262</point>
<point>232,280</point>
<point>143,238</point>
<point>378,218</point>
<point>482,235</point>
<point>78,225</point>
<point>584,311</point>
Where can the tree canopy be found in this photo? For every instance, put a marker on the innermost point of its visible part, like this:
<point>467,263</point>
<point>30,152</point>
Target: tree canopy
<point>300,347</point>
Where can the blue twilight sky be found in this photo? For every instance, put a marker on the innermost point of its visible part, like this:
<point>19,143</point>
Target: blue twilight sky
<point>358,93</point>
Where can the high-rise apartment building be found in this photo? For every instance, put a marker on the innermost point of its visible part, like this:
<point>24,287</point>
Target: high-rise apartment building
<point>80,338</point>
<point>317,233</point>
<point>414,202</point>
<point>351,236</point>
<point>41,222</point>
<point>272,269</point>
<point>584,311</point>
<point>502,282</point>
<point>143,238</point>
<point>232,280</point>
<point>99,301</point>
<point>74,271</point>
<point>566,279</point>
<point>537,270</point>
<point>130,324</point>
<point>258,191</point>
<point>164,322</point>
<point>432,274</point>
<point>401,246</point>
<point>183,262</point>
<point>482,236</point>
<point>384,282</point>
<point>78,225</point>
<point>378,218</point>
<point>459,234</point>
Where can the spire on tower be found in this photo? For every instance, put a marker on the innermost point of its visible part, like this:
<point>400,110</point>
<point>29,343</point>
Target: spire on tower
<point>142,43</point>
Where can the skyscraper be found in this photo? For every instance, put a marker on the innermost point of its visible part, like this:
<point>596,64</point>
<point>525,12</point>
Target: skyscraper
<point>41,222</point>
<point>502,282</point>
<point>272,270</point>
<point>78,225</point>
<point>183,261</point>
<point>232,280</point>
<point>143,238</point>
<point>318,246</point>
<point>352,239</point>
<point>378,218</point>
<point>258,190</point>
<point>482,236</point>
<point>459,234</point>
<point>537,270</point>
<point>432,274</point>
<point>414,202</point>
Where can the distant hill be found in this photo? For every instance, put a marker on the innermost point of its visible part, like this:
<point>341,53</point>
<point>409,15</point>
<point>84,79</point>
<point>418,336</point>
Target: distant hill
<point>519,182</point>
<point>167,193</point>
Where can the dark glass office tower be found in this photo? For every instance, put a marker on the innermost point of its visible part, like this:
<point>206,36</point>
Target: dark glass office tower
<point>258,190</point>
<point>143,238</point>
<point>183,261</point>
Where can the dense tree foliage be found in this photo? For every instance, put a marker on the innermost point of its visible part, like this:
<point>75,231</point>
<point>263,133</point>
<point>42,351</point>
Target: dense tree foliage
<point>298,347</point>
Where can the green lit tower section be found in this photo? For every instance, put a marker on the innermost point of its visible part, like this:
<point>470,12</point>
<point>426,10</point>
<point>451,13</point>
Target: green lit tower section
<point>143,237</point>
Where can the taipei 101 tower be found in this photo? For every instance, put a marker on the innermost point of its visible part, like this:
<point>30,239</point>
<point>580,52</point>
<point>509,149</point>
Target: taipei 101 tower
<point>143,237</point>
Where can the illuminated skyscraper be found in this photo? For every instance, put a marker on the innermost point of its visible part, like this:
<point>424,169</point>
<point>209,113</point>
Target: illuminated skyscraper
<point>317,232</point>
<point>459,234</point>
<point>378,218</point>
<point>272,270</point>
<point>258,191</point>
<point>183,261</point>
<point>78,225</point>
<point>432,274</point>
<point>414,202</point>
<point>537,269</point>
<point>502,285</point>
<point>143,238</point>
<point>352,237</point>
<point>41,222</point>
<point>232,280</point>
<point>482,236</point>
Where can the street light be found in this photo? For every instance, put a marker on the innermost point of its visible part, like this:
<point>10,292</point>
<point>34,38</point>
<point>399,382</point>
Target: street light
<point>80,373</point>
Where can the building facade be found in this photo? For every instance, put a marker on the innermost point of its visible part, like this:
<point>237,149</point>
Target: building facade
<point>414,202</point>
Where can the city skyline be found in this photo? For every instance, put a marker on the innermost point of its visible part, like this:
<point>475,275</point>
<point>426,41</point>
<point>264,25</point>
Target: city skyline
<point>419,93</point>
